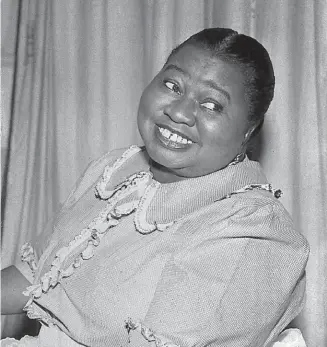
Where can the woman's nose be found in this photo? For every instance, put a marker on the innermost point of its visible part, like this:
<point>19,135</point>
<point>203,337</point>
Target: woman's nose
<point>181,110</point>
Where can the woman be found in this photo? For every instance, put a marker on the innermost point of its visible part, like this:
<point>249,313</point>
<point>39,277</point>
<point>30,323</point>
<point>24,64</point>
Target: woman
<point>182,242</point>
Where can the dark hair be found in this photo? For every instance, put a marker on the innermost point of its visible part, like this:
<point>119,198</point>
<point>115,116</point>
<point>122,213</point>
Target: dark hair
<point>250,56</point>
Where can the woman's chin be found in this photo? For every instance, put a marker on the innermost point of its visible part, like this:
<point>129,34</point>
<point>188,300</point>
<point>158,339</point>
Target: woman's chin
<point>168,161</point>
<point>164,174</point>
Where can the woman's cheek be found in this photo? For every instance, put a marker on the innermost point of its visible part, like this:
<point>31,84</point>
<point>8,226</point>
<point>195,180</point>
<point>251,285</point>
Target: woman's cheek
<point>209,129</point>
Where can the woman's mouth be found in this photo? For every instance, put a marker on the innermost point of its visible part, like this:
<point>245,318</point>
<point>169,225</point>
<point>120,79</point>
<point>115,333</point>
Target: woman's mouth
<point>172,140</point>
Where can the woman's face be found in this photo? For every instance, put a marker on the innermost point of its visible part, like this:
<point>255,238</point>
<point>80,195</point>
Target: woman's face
<point>193,115</point>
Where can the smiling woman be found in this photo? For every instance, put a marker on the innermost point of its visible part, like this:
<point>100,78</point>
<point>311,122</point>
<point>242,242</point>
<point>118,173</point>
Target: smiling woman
<point>213,92</point>
<point>186,105</point>
<point>182,242</point>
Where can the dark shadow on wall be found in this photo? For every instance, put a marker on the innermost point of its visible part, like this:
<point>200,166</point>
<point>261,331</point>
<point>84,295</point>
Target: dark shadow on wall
<point>17,326</point>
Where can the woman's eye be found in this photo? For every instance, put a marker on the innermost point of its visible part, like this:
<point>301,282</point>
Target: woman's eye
<point>173,87</point>
<point>212,106</point>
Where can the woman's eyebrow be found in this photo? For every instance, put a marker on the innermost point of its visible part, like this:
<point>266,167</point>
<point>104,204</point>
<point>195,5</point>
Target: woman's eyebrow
<point>177,68</point>
<point>212,84</point>
<point>209,83</point>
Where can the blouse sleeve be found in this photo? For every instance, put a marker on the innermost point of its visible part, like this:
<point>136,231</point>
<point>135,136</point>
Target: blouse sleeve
<point>234,285</point>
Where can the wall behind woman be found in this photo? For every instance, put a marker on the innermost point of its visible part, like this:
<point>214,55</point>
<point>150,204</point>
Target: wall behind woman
<point>81,67</point>
<point>9,12</point>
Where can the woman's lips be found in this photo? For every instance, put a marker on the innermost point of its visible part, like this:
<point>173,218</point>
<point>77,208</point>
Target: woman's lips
<point>175,131</point>
<point>171,141</point>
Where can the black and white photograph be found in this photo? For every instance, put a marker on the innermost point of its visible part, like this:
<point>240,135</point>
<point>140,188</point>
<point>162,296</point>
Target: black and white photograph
<point>163,173</point>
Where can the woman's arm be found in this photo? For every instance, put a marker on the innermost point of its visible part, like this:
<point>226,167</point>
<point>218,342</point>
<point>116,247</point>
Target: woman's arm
<point>13,283</point>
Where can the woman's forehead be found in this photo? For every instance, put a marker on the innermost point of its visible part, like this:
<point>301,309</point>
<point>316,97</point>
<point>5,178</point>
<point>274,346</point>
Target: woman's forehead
<point>194,61</point>
<point>192,54</point>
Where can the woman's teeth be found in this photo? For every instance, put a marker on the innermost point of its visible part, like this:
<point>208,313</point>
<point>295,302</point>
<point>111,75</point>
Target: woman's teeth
<point>174,137</point>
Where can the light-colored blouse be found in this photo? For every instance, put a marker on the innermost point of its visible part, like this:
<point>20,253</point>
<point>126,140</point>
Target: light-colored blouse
<point>131,262</point>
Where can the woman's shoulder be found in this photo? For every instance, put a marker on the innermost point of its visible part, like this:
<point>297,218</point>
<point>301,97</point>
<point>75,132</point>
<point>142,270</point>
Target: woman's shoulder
<point>266,215</point>
<point>263,207</point>
<point>250,215</point>
<point>251,223</point>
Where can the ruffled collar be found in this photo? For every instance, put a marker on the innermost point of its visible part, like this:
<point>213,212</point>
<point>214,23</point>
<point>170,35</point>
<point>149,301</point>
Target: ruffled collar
<point>163,204</point>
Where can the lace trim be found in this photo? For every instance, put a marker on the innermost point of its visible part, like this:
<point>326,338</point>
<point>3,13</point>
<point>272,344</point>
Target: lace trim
<point>140,221</point>
<point>148,334</point>
<point>268,187</point>
<point>27,255</point>
<point>108,218</point>
<point>100,188</point>
<point>141,225</point>
<point>34,312</point>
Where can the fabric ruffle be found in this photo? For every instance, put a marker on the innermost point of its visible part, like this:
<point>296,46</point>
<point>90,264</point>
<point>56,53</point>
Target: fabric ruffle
<point>28,256</point>
<point>268,187</point>
<point>148,334</point>
<point>101,187</point>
